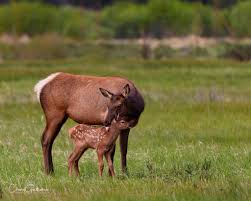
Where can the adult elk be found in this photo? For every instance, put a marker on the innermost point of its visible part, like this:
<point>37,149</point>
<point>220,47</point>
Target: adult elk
<point>78,97</point>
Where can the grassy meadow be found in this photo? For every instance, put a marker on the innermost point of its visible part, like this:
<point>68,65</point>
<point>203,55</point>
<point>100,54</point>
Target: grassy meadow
<point>193,141</point>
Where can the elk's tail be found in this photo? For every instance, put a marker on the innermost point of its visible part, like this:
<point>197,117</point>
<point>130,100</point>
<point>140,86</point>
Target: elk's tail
<point>41,84</point>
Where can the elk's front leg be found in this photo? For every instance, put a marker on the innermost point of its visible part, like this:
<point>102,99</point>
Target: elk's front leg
<point>123,148</point>
<point>100,154</point>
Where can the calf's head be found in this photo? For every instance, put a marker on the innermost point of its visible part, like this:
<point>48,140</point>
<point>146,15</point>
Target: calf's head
<point>116,102</point>
<point>120,123</point>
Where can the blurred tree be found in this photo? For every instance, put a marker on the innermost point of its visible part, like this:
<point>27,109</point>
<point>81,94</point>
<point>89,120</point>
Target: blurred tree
<point>97,4</point>
<point>131,1</point>
<point>57,2</point>
<point>216,3</point>
<point>18,1</point>
<point>4,1</point>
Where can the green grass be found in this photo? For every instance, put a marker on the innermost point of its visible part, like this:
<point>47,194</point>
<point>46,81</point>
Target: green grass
<point>193,141</point>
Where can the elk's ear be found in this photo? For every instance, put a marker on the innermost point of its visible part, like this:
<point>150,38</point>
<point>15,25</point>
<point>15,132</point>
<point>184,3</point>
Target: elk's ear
<point>106,93</point>
<point>126,90</point>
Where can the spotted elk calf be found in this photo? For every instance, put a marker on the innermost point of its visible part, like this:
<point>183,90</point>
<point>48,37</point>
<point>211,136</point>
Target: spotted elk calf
<point>102,139</point>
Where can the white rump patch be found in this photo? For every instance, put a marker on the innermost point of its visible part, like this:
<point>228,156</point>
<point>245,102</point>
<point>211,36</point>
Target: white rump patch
<point>40,85</point>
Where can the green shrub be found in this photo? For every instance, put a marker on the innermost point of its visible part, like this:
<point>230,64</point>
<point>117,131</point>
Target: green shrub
<point>30,18</point>
<point>163,52</point>
<point>53,46</point>
<point>157,18</point>
<point>197,52</point>
<point>126,20</point>
<point>75,22</point>
<point>170,17</point>
<point>240,19</point>
<point>69,22</point>
<point>6,52</point>
<point>203,21</point>
<point>35,18</point>
<point>48,46</point>
<point>238,52</point>
<point>121,51</point>
<point>209,22</point>
<point>5,19</point>
<point>220,23</point>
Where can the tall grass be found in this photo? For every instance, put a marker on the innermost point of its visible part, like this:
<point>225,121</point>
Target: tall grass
<point>192,141</point>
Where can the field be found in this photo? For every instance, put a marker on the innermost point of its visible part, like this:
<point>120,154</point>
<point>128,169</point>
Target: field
<point>193,141</point>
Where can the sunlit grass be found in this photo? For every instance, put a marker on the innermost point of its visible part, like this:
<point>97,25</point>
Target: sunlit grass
<point>193,140</point>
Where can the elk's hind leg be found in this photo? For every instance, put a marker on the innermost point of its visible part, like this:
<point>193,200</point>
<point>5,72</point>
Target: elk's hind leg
<point>53,125</point>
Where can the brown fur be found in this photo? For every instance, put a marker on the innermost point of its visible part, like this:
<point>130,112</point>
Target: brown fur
<point>101,139</point>
<point>79,98</point>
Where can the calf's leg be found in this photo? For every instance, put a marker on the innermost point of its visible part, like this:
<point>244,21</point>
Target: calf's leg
<point>76,167</point>
<point>112,153</point>
<point>74,158</point>
<point>110,164</point>
<point>100,162</point>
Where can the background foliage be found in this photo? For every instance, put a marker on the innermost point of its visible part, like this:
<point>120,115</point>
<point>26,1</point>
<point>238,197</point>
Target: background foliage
<point>156,18</point>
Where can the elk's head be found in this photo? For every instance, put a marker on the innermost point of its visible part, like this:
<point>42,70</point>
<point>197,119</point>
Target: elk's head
<point>116,102</point>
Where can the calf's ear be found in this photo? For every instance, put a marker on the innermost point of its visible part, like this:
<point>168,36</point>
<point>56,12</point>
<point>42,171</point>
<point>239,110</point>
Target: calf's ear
<point>126,90</point>
<point>116,116</point>
<point>106,93</point>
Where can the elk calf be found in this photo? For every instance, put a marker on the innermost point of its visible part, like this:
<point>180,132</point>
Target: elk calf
<point>100,138</point>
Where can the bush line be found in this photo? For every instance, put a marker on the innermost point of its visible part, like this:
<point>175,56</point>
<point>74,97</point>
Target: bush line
<point>157,18</point>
